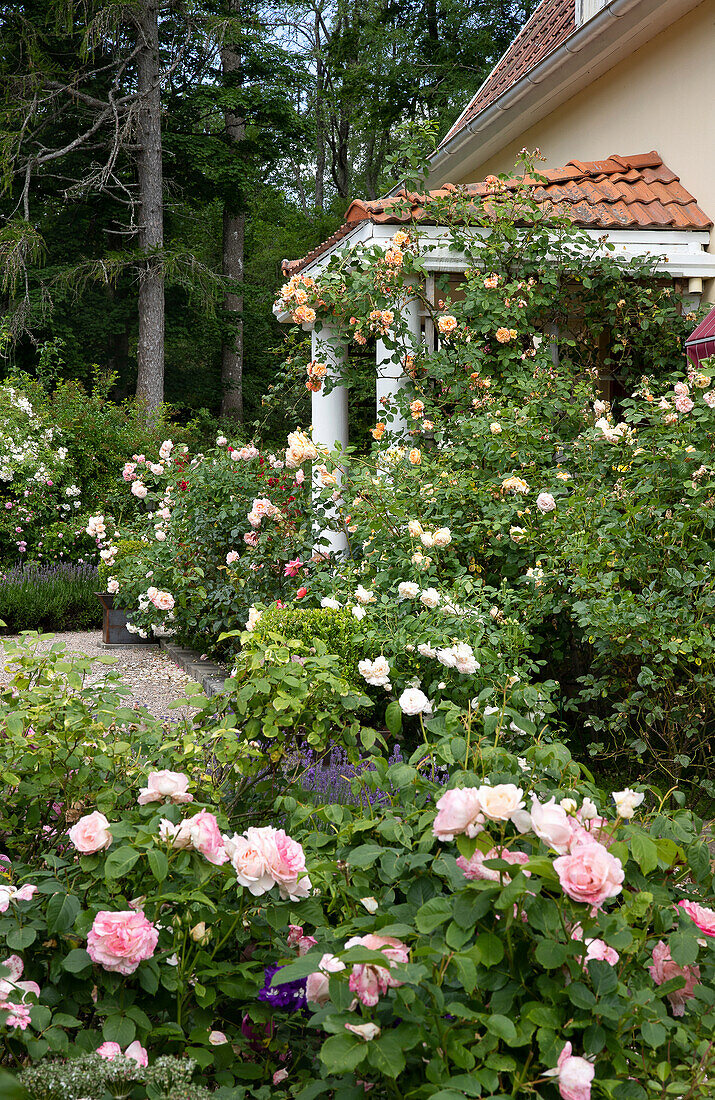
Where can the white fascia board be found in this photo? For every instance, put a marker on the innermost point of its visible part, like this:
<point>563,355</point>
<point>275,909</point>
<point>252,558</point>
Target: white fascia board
<point>679,253</point>
<point>615,33</point>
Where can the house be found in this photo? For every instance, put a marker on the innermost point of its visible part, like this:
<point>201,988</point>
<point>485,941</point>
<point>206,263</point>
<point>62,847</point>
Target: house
<point>616,96</point>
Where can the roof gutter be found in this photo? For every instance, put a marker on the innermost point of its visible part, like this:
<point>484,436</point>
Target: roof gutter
<point>573,45</point>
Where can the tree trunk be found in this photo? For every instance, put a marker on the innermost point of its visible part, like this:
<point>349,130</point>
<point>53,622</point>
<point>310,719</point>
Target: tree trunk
<point>150,349</point>
<point>232,350</point>
<point>234,232</point>
<point>320,136</point>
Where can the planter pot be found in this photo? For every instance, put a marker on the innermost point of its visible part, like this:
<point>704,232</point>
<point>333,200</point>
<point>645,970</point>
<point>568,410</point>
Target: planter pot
<point>114,626</point>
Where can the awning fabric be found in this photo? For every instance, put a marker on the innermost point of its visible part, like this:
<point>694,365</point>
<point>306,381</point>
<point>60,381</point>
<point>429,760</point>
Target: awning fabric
<point>700,344</point>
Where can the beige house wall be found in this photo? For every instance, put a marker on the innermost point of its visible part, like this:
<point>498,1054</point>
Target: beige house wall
<point>662,97</point>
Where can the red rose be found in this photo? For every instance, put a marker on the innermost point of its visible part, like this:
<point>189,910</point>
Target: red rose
<point>303,591</point>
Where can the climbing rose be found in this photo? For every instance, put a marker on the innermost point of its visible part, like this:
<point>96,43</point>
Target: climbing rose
<point>369,981</point>
<point>458,811</point>
<point>121,941</point>
<point>165,786</point>
<point>446,324</point>
<point>473,868</point>
<point>590,874</point>
<point>703,917</point>
<point>232,556</point>
<point>664,968</point>
<point>317,986</point>
<point>91,833</point>
<point>575,1075</point>
<point>139,489</point>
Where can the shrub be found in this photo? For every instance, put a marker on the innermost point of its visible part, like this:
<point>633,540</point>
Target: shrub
<point>473,937</point>
<point>337,630</point>
<point>52,597</point>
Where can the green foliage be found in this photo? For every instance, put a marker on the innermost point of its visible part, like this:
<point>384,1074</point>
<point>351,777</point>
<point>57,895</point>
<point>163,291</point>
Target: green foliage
<point>337,631</point>
<point>438,982</point>
<point>126,551</point>
<point>58,597</point>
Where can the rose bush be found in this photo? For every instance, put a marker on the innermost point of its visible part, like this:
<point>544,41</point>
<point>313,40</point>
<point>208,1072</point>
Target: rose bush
<point>509,932</point>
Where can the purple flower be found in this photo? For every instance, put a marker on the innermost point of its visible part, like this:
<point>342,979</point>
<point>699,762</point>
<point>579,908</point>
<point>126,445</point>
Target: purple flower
<point>290,997</point>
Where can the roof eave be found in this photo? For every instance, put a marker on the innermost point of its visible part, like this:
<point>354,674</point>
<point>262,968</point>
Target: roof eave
<point>586,54</point>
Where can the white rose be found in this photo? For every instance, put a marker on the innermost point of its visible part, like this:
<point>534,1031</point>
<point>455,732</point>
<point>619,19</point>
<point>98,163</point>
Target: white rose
<point>364,595</point>
<point>413,701</point>
<point>358,612</point>
<point>545,502</point>
<point>415,528</point>
<point>627,801</point>
<point>442,536</point>
<point>328,601</point>
<point>495,428</point>
<point>551,824</point>
<point>500,802</point>
<point>430,597</point>
<point>589,809</point>
<point>408,590</point>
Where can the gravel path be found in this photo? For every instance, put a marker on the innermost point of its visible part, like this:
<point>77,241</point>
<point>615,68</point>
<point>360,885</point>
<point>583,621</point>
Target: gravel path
<point>151,674</point>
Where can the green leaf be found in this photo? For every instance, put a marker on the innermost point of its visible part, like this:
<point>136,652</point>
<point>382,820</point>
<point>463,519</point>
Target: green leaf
<point>10,1088</point>
<point>365,855</point>
<point>433,913</point>
<point>683,948</point>
<point>580,995</point>
<point>120,862</point>
<point>342,1053</point>
<point>119,1029</point>
<point>158,863</point>
<point>644,852</point>
<point>20,938</point>
<point>551,954</point>
<point>62,910</point>
<point>654,1034</point>
<point>76,961</point>
<point>501,1026</point>
<point>393,718</point>
<point>385,1054</point>
<point>489,949</point>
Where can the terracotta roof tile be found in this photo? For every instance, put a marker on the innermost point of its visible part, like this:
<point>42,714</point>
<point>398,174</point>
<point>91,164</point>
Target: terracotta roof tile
<point>550,25</point>
<point>636,192</point>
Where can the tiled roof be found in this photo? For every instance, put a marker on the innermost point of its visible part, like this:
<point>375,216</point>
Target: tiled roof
<point>550,25</point>
<point>636,192</point>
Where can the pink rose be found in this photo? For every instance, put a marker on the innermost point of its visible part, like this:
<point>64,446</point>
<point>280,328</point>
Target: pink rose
<point>285,861</point>
<point>590,874</point>
<point>317,986</point>
<point>458,811</point>
<point>295,934</point>
<point>138,1053</point>
<point>575,1076</point>
<point>204,836</point>
<point>19,1015</point>
<point>551,824</point>
<point>474,868</point>
<point>703,917</point>
<point>217,1038</point>
<point>91,833</point>
<point>595,949</point>
<point>12,983</point>
<point>110,1051</point>
<point>121,941</point>
<point>165,786</point>
<point>249,862</point>
<point>369,981</point>
<point>664,968</point>
<point>25,893</point>
<point>279,1075</point>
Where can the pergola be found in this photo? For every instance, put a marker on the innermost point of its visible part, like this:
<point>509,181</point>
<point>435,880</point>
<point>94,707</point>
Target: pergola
<point>629,207</point>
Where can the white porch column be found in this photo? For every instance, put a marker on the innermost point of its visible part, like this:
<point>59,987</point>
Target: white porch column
<point>391,377</point>
<point>330,416</point>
